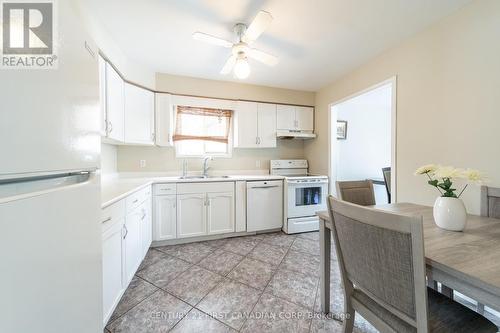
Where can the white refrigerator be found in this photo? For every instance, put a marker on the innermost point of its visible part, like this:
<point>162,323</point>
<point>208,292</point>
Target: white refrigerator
<point>50,240</point>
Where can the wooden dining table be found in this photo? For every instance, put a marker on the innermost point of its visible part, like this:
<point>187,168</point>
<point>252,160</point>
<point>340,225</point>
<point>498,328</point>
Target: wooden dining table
<point>467,261</point>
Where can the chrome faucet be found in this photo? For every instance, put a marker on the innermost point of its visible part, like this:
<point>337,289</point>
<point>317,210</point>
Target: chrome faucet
<point>205,166</point>
<point>184,168</point>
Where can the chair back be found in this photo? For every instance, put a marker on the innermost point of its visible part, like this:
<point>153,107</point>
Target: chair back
<point>387,179</point>
<point>382,255</point>
<point>359,192</point>
<point>490,201</point>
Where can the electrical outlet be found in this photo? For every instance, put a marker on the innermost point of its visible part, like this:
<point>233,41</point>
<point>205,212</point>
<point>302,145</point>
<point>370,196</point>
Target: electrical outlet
<point>257,164</point>
<point>142,163</point>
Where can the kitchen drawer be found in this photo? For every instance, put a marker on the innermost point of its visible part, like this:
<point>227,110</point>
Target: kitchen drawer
<point>112,213</point>
<point>165,189</point>
<point>136,198</point>
<point>208,187</point>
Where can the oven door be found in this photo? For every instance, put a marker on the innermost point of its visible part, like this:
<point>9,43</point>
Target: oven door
<point>306,197</point>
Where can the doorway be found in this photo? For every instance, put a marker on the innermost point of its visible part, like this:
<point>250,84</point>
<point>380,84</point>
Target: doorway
<point>362,139</point>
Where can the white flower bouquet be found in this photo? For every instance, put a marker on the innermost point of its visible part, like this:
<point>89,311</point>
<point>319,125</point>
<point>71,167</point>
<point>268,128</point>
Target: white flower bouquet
<point>442,178</point>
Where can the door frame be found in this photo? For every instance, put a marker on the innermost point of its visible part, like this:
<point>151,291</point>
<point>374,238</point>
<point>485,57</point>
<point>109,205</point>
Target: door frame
<point>331,152</point>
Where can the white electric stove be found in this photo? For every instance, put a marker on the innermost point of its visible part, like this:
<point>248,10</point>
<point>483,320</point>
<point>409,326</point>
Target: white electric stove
<point>305,194</point>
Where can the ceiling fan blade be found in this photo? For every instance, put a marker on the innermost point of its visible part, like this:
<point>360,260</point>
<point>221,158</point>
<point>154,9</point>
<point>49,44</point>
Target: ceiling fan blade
<point>258,26</point>
<point>228,66</point>
<point>263,57</point>
<point>211,39</point>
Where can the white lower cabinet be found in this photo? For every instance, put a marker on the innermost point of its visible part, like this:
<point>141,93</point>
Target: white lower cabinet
<point>146,227</point>
<point>191,216</point>
<point>112,267</point>
<point>165,217</point>
<point>126,237</point>
<point>132,243</point>
<point>220,212</point>
<point>185,210</point>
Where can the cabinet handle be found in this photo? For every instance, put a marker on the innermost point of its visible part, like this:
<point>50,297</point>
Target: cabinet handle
<point>126,231</point>
<point>135,200</point>
<point>143,214</point>
<point>106,220</point>
<point>153,136</point>
<point>110,126</point>
<point>259,140</point>
<point>256,140</point>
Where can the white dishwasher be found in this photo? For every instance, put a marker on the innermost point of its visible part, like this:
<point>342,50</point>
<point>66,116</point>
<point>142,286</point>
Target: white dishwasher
<point>264,205</point>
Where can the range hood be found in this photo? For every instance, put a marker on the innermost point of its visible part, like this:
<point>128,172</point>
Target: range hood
<point>291,134</point>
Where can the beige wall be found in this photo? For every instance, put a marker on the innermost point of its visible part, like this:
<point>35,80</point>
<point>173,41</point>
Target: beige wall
<point>163,159</point>
<point>232,90</point>
<point>448,100</point>
<point>108,158</point>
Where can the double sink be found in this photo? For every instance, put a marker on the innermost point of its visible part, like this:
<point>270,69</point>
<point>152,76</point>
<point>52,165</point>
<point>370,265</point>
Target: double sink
<point>202,177</point>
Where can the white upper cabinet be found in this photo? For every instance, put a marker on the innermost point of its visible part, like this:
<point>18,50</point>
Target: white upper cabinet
<point>102,93</point>
<point>285,117</point>
<point>139,115</point>
<point>294,118</point>
<point>115,106</point>
<point>304,117</point>
<point>255,125</point>
<point>164,119</point>
<point>245,125</point>
<point>266,125</point>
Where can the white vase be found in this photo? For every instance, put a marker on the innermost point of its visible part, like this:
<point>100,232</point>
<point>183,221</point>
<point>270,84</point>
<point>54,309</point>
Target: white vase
<point>450,214</point>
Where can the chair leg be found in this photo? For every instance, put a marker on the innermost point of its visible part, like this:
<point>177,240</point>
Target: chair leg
<point>348,323</point>
<point>447,291</point>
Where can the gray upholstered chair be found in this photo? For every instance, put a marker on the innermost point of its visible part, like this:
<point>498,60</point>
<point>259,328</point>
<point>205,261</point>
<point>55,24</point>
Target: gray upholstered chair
<point>490,207</point>
<point>490,201</point>
<point>386,172</point>
<point>359,192</point>
<point>381,259</point>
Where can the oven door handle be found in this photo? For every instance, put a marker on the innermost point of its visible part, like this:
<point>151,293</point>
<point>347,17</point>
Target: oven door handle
<point>306,183</point>
<point>269,186</point>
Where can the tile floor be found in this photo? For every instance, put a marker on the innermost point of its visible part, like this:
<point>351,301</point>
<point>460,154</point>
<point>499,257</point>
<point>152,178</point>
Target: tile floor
<point>262,283</point>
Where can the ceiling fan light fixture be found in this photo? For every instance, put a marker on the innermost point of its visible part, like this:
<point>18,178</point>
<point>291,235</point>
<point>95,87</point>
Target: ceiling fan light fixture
<point>242,68</point>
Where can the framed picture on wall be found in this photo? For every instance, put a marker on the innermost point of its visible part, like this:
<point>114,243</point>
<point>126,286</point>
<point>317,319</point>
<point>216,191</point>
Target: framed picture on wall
<point>341,129</point>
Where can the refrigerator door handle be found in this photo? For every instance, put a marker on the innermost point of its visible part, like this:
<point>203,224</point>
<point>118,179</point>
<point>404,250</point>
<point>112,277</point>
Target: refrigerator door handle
<point>25,186</point>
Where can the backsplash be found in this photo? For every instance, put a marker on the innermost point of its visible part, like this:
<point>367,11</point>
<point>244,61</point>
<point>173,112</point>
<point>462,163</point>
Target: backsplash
<point>163,159</point>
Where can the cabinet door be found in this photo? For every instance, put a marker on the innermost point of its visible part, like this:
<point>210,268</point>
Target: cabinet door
<point>246,125</point>
<point>102,94</point>
<point>164,120</point>
<point>305,118</point>
<point>139,115</point>
<point>146,227</point>
<point>220,212</point>
<point>115,107</point>
<point>266,125</point>
<point>132,244</point>
<point>191,215</point>
<point>165,217</point>
<point>285,117</point>
<point>111,268</point>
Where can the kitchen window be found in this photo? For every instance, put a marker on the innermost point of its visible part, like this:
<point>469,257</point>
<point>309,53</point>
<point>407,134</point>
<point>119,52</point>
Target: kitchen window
<point>202,132</point>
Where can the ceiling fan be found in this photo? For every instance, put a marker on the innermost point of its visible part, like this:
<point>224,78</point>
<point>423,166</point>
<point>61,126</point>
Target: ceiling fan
<point>242,50</point>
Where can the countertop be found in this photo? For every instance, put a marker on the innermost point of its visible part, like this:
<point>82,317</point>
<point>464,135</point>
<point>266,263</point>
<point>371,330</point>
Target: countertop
<point>116,188</point>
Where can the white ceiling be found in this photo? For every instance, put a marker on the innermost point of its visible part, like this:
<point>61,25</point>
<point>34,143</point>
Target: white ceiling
<point>317,41</point>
